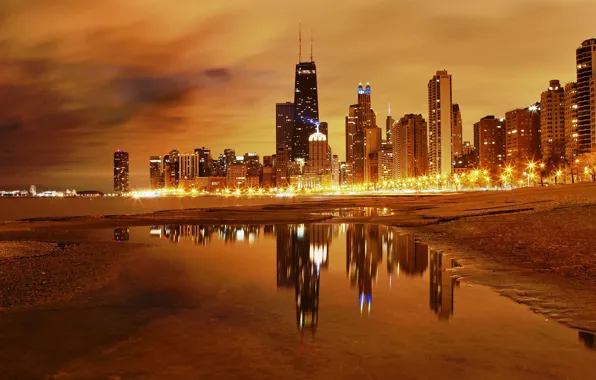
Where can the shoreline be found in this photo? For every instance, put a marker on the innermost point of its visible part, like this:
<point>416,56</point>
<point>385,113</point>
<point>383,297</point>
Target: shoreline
<point>531,245</point>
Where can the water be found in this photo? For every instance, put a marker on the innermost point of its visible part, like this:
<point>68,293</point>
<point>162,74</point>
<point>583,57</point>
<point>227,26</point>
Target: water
<point>290,301</point>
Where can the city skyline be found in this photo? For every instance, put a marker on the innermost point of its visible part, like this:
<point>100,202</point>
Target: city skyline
<point>149,108</point>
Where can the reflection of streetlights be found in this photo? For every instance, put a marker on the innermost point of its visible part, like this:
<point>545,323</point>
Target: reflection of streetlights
<point>557,175</point>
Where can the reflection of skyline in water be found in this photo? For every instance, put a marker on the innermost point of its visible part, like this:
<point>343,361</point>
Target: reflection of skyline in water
<point>588,339</point>
<point>121,234</point>
<point>203,234</point>
<point>303,250</point>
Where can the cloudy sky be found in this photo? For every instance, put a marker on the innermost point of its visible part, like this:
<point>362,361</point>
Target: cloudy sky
<point>80,79</point>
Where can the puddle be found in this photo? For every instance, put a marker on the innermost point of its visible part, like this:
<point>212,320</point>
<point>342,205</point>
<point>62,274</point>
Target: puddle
<point>321,300</point>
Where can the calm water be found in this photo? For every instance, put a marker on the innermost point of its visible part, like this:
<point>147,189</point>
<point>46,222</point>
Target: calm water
<point>292,301</point>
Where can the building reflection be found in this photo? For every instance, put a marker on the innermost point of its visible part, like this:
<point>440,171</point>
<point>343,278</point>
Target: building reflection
<point>363,256</point>
<point>406,256</point>
<point>204,234</point>
<point>121,234</point>
<point>441,285</point>
<point>302,251</point>
<point>588,339</point>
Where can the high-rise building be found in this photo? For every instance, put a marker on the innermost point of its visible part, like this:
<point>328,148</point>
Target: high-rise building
<point>440,122</point>
<point>489,137</point>
<point>385,155</point>
<point>522,142</point>
<point>230,157</point>
<point>121,173</point>
<point>282,157</point>
<point>189,163</point>
<point>237,173</point>
<point>457,133</point>
<point>167,170</point>
<point>354,140</point>
<point>571,135</point>
<point>205,168</point>
<point>306,102</point>
<point>586,70</point>
<point>268,172</point>
<point>335,170</point>
<point>410,149</point>
<point>284,124</point>
<point>219,166</point>
<point>174,164</point>
<point>361,118</point>
<point>388,124</point>
<point>318,163</point>
<point>156,172</point>
<point>251,160</point>
<point>372,147</point>
<point>552,122</point>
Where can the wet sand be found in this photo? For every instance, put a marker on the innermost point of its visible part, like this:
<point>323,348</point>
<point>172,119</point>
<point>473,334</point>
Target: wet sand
<point>534,245</point>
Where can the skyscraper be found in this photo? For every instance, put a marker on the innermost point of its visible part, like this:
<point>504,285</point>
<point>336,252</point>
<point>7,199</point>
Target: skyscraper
<point>410,149</point>
<point>319,160</point>
<point>156,172</point>
<point>440,122</point>
<point>385,169</point>
<point>284,124</point>
<point>571,135</point>
<point>121,174</point>
<point>205,167</point>
<point>552,122</point>
<point>372,147</point>
<point>490,138</point>
<point>229,157</point>
<point>251,160</point>
<point>457,133</point>
<point>354,141</point>
<point>586,70</point>
<point>282,157</point>
<point>189,163</point>
<point>360,143</point>
<point>388,123</point>
<point>174,158</point>
<point>522,141</point>
<point>306,102</point>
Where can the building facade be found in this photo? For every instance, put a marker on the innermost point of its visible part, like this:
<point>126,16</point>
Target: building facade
<point>586,70</point>
<point>121,172</point>
<point>205,166</point>
<point>237,173</point>
<point>306,103</point>
<point>284,124</point>
<point>440,122</point>
<point>552,122</point>
<point>385,168</point>
<point>156,179</point>
<point>490,138</point>
<point>189,167</point>
<point>457,133</point>
<point>410,150</point>
<point>523,138</point>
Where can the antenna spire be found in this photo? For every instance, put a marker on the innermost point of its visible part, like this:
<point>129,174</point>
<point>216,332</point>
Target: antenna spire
<point>311,40</point>
<point>299,41</point>
<point>389,109</point>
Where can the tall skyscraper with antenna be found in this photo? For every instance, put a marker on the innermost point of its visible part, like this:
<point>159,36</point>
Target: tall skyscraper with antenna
<point>306,102</point>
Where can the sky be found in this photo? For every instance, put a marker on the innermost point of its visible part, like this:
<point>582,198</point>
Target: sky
<point>81,79</point>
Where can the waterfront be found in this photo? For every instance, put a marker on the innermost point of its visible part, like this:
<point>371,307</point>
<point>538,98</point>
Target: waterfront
<point>336,300</point>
